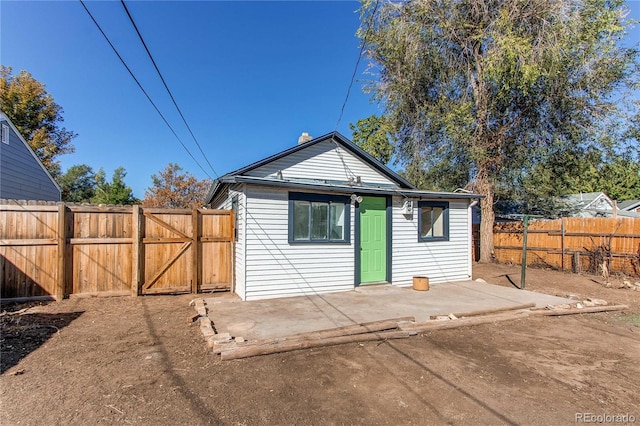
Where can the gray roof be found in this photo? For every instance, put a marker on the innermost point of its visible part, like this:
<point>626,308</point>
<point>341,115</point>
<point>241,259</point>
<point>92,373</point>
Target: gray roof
<point>582,200</point>
<point>629,204</point>
<point>404,187</point>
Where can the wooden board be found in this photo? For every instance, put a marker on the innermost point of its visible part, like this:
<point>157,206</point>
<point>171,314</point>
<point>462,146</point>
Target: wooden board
<point>55,250</point>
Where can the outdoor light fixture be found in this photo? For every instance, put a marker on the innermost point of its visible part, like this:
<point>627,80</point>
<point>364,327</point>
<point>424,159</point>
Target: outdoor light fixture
<point>356,198</point>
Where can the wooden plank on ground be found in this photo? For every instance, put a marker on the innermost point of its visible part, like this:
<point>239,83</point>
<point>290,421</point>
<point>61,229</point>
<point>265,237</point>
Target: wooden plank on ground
<point>247,351</point>
<point>575,311</point>
<point>491,311</point>
<point>465,322</point>
<point>348,330</point>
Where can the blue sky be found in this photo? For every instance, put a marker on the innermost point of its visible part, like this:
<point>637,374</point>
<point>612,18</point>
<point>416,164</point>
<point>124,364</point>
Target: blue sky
<point>248,76</point>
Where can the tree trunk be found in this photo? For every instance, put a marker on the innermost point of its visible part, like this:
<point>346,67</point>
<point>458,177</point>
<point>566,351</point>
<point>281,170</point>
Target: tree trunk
<point>485,188</point>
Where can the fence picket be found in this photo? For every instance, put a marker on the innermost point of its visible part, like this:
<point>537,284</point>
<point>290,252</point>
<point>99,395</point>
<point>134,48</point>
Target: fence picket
<point>64,249</point>
<point>555,243</point>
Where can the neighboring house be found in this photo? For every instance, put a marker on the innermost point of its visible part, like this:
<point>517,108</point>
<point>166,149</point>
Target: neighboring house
<point>629,206</point>
<point>593,204</point>
<point>325,216</point>
<point>22,175</point>
<point>588,204</point>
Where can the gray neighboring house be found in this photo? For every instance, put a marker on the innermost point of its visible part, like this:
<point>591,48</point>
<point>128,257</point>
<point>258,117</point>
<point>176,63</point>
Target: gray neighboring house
<point>22,175</point>
<point>588,204</point>
<point>325,216</point>
<point>596,204</point>
<point>630,206</point>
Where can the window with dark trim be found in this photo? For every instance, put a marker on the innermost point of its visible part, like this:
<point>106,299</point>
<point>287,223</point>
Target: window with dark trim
<point>433,221</point>
<point>319,218</point>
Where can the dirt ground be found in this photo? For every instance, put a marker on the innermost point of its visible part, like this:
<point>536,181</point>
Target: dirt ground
<point>136,361</point>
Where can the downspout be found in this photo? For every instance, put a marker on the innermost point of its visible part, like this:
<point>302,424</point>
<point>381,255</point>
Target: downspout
<point>472,204</point>
<point>245,216</point>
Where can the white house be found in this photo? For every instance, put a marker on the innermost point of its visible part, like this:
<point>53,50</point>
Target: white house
<point>325,216</point>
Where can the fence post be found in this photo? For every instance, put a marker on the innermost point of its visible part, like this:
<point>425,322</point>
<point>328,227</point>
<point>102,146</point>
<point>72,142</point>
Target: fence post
<point>195,252</point>
<point>62,252</point>
<point>562,242</point>
<point>576,263</point>
<point>137,249</point>
<point>523,272</point>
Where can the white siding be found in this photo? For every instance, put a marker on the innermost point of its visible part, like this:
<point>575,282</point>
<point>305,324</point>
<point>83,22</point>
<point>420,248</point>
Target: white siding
<point>324,160</point>
<point>224,202</point>
<point>275,268</point>
<point>441,261</point>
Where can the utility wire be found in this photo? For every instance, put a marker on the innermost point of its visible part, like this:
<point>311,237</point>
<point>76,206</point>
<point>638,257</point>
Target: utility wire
<point>355,69</point>
<point>142,88</point>
<point>347,169</point>
<point>126,9</point>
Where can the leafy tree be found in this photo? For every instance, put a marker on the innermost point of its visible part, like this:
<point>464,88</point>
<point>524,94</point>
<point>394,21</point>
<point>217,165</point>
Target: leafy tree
<point>439,173</point>
<point>176,190</point>
<point>36,115</point>
<point>496,83</point>
<point>632,133</point>
<point>78,184</point>
<point>620,179</point>
<point>372,135</point>
<point>571,172</point>
<point>114,192</point>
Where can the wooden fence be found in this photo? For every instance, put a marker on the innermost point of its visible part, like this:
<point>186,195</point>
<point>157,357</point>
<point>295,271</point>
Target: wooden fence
<point>578,244</point>
<point>59,250</point>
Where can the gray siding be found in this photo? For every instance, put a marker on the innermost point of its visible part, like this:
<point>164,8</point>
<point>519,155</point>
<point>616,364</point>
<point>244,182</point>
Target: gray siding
<point>441,261</point>
<point>324,160</point>
<point>275,268</point>
<point>22,177</point>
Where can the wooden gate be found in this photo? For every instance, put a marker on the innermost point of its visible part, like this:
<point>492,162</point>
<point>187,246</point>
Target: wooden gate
<point>170,246</point>
<point>57,250</point>
<point>176,242</point>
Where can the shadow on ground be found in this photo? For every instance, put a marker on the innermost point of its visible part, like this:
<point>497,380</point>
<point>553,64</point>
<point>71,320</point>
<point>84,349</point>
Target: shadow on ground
<point>23,333</point>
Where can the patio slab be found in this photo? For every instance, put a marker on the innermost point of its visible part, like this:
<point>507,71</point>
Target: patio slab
<point>270,318</point>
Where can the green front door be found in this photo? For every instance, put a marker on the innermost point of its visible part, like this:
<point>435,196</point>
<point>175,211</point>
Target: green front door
<point>373,240</point>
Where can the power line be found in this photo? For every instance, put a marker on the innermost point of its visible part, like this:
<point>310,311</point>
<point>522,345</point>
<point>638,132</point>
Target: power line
<point>126,9</point>
<point>355,69</point>
<point>347,169</point>
<point>142,88</point>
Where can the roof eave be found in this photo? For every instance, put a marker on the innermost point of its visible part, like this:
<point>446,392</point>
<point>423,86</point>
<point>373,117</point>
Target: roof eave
<point>217,186</point>
<point>409,193</point>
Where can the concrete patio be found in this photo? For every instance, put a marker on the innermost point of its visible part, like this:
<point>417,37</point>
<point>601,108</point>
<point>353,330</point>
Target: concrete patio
<point>285,316</point>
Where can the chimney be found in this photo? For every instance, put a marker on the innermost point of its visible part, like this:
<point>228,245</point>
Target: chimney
<point>304,137</point>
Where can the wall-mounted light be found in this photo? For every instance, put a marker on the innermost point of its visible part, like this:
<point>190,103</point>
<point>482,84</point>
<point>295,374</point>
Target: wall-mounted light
<point>356,198</point>
<point>279,175</point>
<point>407,207</point>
